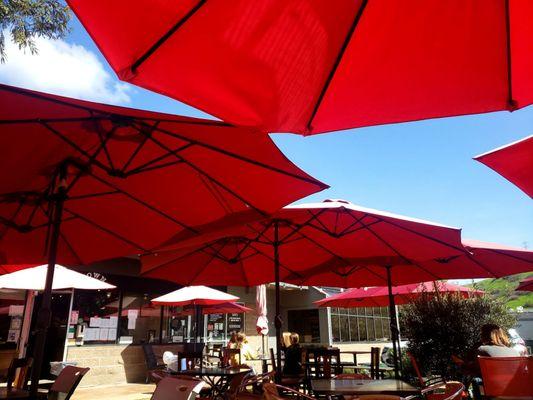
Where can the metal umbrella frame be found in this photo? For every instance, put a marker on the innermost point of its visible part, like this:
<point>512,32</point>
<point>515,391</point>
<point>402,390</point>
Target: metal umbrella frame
<point>117,145</point>
<point>281,231</point>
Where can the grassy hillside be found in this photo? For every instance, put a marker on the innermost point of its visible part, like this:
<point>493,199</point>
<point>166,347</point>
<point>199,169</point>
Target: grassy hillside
<point>504,288</point>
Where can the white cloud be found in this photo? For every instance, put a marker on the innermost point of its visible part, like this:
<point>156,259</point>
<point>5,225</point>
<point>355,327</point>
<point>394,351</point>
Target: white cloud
<point>62,68</point>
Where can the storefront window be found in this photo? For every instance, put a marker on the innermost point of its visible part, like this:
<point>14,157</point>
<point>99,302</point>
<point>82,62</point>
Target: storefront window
<point>369,325</point>
<point>94,317</point>
<point>345,328</point>
<point>11,314</point>
<point>216,327</point>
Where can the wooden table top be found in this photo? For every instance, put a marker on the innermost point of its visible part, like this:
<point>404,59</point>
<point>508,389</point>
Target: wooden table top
<point>363,386</point>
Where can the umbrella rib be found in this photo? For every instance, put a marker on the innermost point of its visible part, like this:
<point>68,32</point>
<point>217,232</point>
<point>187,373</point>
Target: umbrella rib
<point>143,203</point>
<point>337,62</point>
<point>166,36</point>
<point>462,250</point>
<point>300,226</point>
<point>105,114</point>
<point>107,230</point>
<point>243,158</point>
<point>92,195</point>
<point>409,261</point>
<point>511,102</point>
<point>502,253</point>
<point>173,260</point>
<point>144,166</point>
<point>71,248</point>
<point>200,171</point>
<point>360,228</point>
<point>215,193</point>
<point>138,148</point>
<point>74,145</point>
<point>204,267</point>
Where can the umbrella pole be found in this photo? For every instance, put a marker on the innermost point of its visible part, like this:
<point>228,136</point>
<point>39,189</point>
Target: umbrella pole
<point>393,325</point>
<point>45,313</point>
<point>277,319</point>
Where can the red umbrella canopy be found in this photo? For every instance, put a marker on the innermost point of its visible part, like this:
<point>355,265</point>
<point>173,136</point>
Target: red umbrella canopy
<point>133,178</point>
<point>310,236</point>
<point>479,260</point>
<point>526,285</point>
<point>316,66</point>
<point>514,162</point>
<point>195,296</point>
<point>379,296</point>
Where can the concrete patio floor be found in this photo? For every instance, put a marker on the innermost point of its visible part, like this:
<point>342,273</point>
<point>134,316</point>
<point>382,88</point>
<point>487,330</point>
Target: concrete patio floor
<point>130,391</point>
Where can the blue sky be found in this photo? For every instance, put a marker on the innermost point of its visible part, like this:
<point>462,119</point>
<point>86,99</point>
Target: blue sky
<point>422,169</point>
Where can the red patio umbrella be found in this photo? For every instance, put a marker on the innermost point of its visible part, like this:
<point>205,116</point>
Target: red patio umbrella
<point>83,181</point>
<point>514,162</point>
<point>379,296</point>
<point>480,260</point>
<point>298,238</point>
<point>316,66</point>
<point>526,285</point>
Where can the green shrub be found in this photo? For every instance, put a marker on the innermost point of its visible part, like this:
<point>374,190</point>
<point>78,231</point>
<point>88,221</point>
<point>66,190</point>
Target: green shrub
<point>446,324</point>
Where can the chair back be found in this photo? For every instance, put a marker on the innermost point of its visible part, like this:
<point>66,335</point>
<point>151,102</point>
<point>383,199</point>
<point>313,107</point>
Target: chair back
<point>67,381</point>
<point>18,373</point>
<point>192,360</point>
<point>323,363</point>
<point>507,376</point>
<point>149,356</point>
<point>352,376</point>
<point>235,385</point>
<point>273,360</point>
<point>414,363</point>
<point>231,357</point>
<point>171,388</point>
<point>444,391</point>
<point>374,362</point>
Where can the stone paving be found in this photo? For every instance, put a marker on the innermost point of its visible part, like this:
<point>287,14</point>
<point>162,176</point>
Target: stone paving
<point>129,391</point>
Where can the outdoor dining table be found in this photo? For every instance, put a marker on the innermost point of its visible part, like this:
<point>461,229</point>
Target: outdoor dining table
<point>330,387</point>
<point>218,378</point>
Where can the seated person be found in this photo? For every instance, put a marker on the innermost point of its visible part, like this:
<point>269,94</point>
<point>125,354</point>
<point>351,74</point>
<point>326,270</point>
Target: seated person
<point>495,343</point>
<point>293,357</point>
<point>246,351</point>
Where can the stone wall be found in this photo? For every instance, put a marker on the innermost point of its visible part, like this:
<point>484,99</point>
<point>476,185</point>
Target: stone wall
<point>112,364</point>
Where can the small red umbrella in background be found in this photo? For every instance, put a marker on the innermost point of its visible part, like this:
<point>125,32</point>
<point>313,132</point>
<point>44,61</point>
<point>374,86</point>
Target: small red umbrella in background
<point>526,285</point>
<point>300,237</point>
<point>316,66</point>
<point>379,296</point>
<point>197,297</point>
<point>514,162</point>
<point>224,308</point>
<point>84,181</point>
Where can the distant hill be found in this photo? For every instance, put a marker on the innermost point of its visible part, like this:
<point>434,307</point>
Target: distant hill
<point>504,288</point>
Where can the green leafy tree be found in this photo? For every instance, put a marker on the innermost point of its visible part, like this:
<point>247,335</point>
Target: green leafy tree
<point>24,20</point>
<point>446,324</point>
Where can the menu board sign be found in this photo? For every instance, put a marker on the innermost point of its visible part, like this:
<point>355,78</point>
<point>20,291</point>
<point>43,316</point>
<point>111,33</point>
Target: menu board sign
<point>236,322</point>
